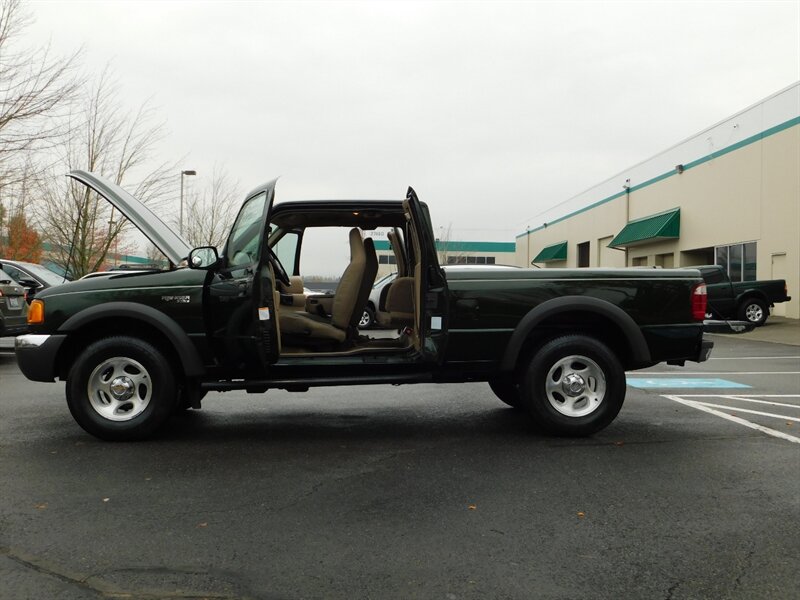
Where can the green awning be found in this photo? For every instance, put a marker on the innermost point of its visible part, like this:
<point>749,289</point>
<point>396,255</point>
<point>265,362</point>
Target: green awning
<point>552,253</point>
<point>663,226</point>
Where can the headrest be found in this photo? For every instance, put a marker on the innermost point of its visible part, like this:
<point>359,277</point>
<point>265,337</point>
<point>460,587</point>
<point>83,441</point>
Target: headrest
<point>356,244</point>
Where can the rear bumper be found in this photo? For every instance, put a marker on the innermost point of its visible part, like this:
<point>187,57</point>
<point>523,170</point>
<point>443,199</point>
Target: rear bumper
<point>705,350</point>
<point>712,326</point>
<point>36,355</point>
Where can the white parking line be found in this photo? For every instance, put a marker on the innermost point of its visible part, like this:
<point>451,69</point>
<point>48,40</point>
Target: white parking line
<point>702,406</point>
<point>741,399</point>
<point>751,357</point>
<point>740,395</point>
<point>748,411</point>
<point>721,373</point>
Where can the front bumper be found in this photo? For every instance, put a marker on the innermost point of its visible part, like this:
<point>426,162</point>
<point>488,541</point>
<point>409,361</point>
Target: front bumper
<point>36,355</point>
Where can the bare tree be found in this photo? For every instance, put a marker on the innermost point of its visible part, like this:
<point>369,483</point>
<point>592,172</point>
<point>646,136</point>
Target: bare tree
<point>211,213</point>
<point>154,255</point>
<point>35,89</point>
<point>81,226</point>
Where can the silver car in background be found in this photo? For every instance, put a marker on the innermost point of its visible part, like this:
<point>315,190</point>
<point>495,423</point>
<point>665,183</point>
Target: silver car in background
<point>13,308</point>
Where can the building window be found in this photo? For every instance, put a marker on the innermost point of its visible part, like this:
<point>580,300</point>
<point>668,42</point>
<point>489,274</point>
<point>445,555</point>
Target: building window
<point>749,264</point>
<point>387,259</point>
<point>470,260</point>
<point>583,254</point>
<point>738,260</point>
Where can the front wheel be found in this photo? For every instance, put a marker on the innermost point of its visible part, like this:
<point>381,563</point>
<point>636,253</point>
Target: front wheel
<point>121,388</point>
<point>754,310</point>
<point>573,386</point>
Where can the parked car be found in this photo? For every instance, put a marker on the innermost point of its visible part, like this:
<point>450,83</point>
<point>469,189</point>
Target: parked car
<point>13,309</point>
<point>554,343</point>
<point>377,297</point>
<point>746,300</point>
<point>368,318</point>
<point>32,276</point>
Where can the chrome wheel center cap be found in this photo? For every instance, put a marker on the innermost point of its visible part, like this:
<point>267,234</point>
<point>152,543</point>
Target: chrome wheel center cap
<point>121,388</point>
<point>573,385</point>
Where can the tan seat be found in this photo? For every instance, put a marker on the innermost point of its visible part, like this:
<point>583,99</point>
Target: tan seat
<point>370,272</point>
<point>292,296</point>
<point>396,304</point>
<point>399,304</point>
<point>303,328</point>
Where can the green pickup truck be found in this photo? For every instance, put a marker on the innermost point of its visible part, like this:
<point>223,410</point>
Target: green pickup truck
<point>745,300</point>
<point>555,343</point>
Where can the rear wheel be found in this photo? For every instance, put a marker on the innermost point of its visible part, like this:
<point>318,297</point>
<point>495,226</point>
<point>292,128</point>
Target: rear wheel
<point>754,310</point>
<point>121,388</point>
<point>573,386</point>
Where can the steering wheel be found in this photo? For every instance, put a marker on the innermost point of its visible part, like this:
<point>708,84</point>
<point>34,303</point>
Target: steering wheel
<point>280,272</point>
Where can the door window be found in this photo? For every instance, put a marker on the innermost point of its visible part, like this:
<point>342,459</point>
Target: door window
<point>15,273</point>
<point>244,240</point>
<point>286,251</point>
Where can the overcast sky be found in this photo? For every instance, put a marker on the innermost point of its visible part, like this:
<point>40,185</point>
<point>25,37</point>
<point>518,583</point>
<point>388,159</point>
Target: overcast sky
<point>493,112</point>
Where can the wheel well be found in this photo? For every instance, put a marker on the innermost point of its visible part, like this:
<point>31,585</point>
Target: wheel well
<point>586,323</point>
<point>752,296</point>
<point>108,327</point>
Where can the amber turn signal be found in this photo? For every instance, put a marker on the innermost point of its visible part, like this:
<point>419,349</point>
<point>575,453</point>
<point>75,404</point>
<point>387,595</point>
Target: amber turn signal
<point>36,312</point>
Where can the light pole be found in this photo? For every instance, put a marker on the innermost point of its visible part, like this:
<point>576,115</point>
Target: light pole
<point>182,174</point>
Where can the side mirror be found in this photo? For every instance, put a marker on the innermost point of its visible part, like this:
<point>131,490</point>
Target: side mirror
<point>29,283</point>
<point>203,257</point>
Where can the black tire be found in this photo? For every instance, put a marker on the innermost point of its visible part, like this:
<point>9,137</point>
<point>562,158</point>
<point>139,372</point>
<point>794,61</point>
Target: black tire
<point>367,320</point>
<point>144,395</point>
<point>754,311</point>
<point>589,370</point>
<point>507,391</point>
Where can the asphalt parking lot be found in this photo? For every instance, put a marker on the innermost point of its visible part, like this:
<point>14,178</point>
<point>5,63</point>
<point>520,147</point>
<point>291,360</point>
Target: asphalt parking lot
<point>415,492</point>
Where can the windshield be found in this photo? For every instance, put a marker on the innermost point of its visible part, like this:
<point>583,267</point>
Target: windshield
<point>43,273</point>
<point>382,279</point>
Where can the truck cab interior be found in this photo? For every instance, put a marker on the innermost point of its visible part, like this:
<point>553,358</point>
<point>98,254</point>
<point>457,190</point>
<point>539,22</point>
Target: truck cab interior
<point>327,323</point>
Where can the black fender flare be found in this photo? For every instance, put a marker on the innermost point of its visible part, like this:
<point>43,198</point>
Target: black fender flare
<point>185,350</point>
<point>752,293</point>
<point>554,306</point>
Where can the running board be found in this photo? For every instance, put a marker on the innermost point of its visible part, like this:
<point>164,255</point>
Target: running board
<point>303,383</point>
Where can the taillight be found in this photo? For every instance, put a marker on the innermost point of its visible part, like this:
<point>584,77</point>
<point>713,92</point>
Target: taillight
<point>699,301</point>
<point>36,312</point>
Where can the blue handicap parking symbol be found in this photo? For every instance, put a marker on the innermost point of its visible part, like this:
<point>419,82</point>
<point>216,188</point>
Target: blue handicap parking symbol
<point>681,383</point>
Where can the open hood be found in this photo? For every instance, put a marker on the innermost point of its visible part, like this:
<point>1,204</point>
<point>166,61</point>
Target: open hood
<point>163,237</point>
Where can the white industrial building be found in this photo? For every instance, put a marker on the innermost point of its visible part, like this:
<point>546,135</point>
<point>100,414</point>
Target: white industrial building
<point>728,195</point>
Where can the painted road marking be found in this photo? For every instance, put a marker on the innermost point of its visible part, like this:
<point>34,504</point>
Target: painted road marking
<point>741,399</point>
<point>748,411</point>
<point>751,357</point>
<point>676,372</point>
<point>682,383</point>
<point>701,406</point>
